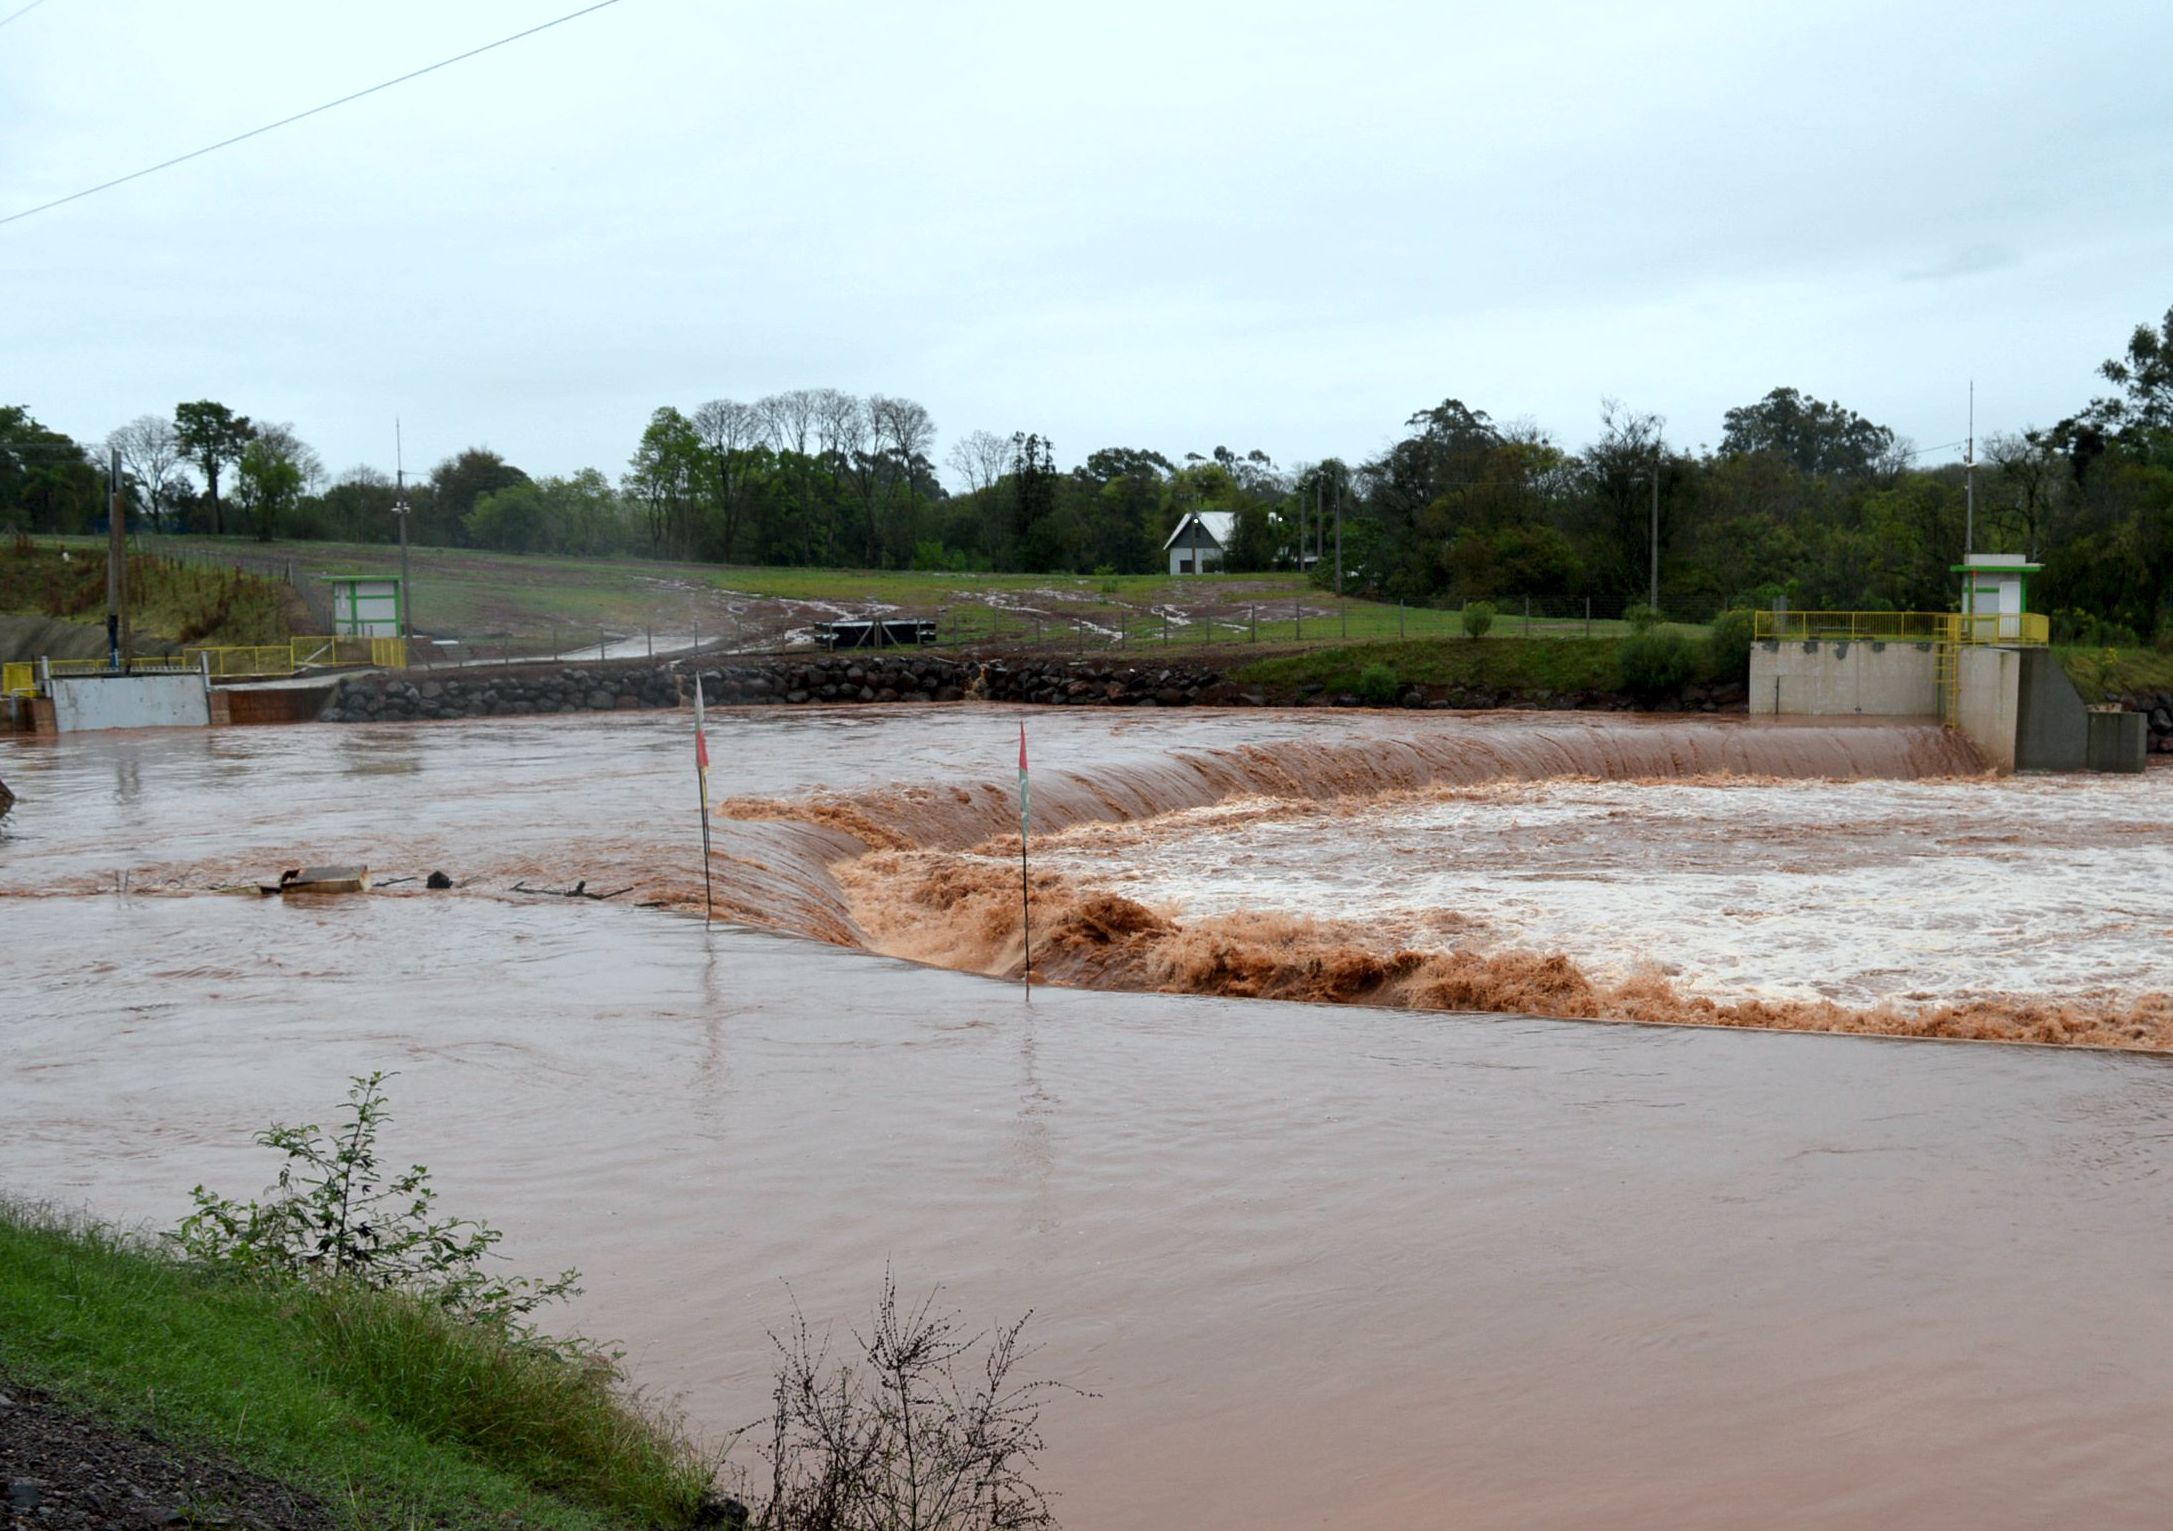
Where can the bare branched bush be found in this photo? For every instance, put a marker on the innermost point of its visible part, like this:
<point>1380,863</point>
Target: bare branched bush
<point>926,1431</point>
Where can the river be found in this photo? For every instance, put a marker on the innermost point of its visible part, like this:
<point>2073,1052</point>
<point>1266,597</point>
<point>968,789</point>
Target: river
<point>1317,1265</point>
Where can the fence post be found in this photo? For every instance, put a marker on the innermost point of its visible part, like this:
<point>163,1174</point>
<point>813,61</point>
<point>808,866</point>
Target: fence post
<point>1399,621</point>
<point>1165,627</point>
<point>1297,618</point>
<point>1344,612</point>
<point>649,636</point>
<point>599,645</point>
<point>1252,621</point>
<point>1588,616</point>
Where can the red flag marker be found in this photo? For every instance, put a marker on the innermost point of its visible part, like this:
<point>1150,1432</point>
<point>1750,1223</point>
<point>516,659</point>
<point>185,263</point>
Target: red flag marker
<point>1026,897</point>
<point>701,778</point>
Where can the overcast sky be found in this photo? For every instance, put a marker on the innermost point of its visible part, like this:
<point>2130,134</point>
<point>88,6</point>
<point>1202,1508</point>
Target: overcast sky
<point>1170,224</point>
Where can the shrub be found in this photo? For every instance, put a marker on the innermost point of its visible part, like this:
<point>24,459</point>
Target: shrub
<point>1654,664</point>
<point>336,1216</point>
<point>1377,685</point>
<point>928,1432</point>
<point>1478,617</point>
<point>1642,618</point>
<point>1727,646</point>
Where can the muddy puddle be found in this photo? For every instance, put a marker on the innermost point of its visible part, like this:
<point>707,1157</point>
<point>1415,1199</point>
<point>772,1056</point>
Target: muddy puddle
<point>1321,1265</point>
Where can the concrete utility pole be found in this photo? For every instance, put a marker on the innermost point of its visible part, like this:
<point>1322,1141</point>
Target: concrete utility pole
<point>116,558</point>
<point>399,509</point>
<point>1969,480</point>
<point>1654,600</point>
<point>1339,539</point>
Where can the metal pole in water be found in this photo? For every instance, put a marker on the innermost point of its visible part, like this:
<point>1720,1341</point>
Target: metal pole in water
<point>701,776</point>
<point>1026,894</point>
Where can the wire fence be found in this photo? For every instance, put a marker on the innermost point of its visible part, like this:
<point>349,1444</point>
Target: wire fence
<point>1104,627</point>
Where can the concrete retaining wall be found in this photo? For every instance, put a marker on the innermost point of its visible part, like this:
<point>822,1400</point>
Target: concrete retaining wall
<point>1988,697</point>
<point>85,702</point>
<point>1821,678</point>
<point>2118,741</point>
<point>2052,728</point>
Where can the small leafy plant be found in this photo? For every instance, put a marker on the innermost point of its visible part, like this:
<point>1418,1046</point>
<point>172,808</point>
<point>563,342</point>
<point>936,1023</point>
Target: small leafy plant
<point>1478,617</point>
<point>336,1214</point>
<point>1377,685</point>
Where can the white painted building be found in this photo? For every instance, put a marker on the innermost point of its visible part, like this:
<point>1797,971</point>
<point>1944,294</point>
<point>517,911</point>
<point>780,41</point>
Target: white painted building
<point>1201,539</point>
<point>1996,593</point>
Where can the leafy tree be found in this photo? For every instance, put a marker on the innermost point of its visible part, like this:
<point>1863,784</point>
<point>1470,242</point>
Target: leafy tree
<point>269,485</point>
<point>1033,499</point>
<point>728,433</point>
<point>214,437</point>
<point>1817,437</point>
<point>360,506</point>
<point>663,475</point>
<point>456,484</point>
<point>48,482</point>
<point>2144,410</point>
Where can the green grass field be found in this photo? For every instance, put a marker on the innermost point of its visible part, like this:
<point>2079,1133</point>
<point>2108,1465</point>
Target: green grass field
<point>391,1413</point>
<point>538,604</point>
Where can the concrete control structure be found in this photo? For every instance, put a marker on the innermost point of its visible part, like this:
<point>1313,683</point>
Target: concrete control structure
<point>1996,586</point>
<point>367,605</point>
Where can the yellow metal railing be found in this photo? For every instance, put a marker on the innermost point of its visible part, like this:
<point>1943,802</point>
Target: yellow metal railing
<point>251,661</point>
<point>1852,626</point>
<point>2023,629</point>
<point>269,659</point>
<point>2028,629</point>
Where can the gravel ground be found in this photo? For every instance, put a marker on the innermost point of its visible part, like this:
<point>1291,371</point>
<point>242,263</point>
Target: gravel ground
<point>65,1470</point>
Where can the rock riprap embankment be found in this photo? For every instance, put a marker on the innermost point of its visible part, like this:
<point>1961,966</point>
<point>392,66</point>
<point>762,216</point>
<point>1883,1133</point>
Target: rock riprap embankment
<point>491,694</point>
<point>836,678</point>
<point>904,677</point>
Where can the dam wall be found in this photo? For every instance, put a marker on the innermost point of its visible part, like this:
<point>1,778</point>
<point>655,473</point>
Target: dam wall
<point>1823,678</point>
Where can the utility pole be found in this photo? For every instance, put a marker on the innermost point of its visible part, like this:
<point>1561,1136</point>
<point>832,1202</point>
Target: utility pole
<point>1653,601</point>
<point>116,558</point>
<point>1339,539</point>
<point>399,509</point>
<point>1969,480</point>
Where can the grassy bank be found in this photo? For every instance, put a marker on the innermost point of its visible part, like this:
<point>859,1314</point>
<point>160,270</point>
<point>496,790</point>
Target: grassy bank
<point>1527,669</point>
<point>378,1404</point>
<point>166,599</point>
<point>2102,673</point>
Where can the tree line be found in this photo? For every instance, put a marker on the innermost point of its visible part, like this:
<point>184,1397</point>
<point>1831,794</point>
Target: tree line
<point>1802,500</point>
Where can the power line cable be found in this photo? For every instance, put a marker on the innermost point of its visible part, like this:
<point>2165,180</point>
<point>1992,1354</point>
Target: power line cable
<point>413,74</point>
<point>17,15</point>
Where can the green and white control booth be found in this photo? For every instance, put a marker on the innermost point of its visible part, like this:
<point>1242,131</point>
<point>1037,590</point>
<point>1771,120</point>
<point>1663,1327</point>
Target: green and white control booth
<point>366,605</point>
<point>1996,593</point>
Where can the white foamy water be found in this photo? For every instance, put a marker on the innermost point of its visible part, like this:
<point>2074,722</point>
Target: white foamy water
<point>1857,892</point>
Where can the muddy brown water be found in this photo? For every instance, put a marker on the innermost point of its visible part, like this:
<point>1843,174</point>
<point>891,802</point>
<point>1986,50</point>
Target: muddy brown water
<point>1322,1266</point>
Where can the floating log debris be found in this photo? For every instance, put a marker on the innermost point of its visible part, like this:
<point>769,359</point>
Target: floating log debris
<point>578,890</point>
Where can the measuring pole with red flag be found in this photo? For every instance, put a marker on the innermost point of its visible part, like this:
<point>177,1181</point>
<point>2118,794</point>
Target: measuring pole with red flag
<point>1026,900</point>
<point>701,779</point>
